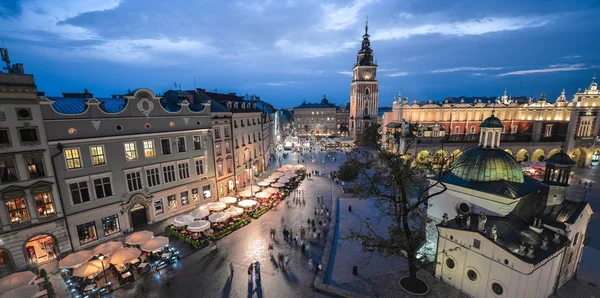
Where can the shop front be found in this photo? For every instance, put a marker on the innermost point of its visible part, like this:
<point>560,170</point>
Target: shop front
<point>41,249</point>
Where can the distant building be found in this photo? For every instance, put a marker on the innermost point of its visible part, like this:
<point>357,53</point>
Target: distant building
<point>503,234</point>
<point>316,118</point>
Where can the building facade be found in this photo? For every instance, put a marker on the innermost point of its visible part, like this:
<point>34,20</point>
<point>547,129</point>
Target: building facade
<point>342,116</point>
<point>128,161</point>
<point>364,89</point>
<point>316,118</point>
<point>532,129</point>
<point>33,232</point>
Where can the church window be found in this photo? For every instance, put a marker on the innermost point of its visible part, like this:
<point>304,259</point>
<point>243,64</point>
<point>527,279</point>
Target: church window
<point>450,263</point>
<point>497,289</point>
<point>367,91</point>
<point>477,243</point>
<point>457,129</point>
<point>575,239</point>
<point>472,275</point>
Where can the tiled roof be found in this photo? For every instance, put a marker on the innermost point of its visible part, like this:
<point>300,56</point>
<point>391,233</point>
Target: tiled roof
<point>224,97</point>
<point>315,106</point>
<point>500,187</point>
<point>77,105</point>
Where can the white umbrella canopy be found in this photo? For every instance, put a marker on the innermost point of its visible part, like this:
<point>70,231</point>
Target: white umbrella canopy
<point>16,280</point>
<point>86,270</point>
<point>277,174</point>
<point>107,248</point>
<point>298,167</point>
<point>138,238</point>
<point>264,183</point>
<point>76,259</point>
<point>98,263</point>
<point>125,255</point>
<point>271,190</point>
<point>246,193</point>
<point>286,166</point>
<point>270,180</point>
<point>199,226</point>
<point>247,203</point>
<point>278,185</point>
<point>252,187</point>
<point>180,221</point>
<point>218,217</point>
<point>228,200</point>
<point>199,214</point>
<point>283,180</point>
<point>155,244</point>
<point>263,195</point>
<point>26,291</point>
<point>216,206</point>
<point>234,211</point>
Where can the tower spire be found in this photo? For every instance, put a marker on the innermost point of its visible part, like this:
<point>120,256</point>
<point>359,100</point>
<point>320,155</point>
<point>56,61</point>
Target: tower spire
<point>367,26</point>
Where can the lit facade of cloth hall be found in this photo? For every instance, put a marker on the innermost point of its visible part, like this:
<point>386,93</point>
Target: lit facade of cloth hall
<point>532,129</point>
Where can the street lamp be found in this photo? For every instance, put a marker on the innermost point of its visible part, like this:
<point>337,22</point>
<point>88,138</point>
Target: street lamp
<point>101,258</point>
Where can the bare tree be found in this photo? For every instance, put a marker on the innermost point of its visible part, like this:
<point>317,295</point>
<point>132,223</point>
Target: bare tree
<point>401,192</point>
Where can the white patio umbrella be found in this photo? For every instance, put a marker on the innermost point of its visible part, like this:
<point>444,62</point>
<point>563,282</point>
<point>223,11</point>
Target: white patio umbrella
<point>86,270</point>
<point>199,214</point>
<point>286,166</point>
<point>247,193</point>
<point>155,244</point>
<point>198,226</point>
<point>26,291</point>
<point>271,190</point>
<point>270,180</point>
<point>277,174</point>
<point>252,187</point>
<point>263,195</point>
<point>125,255</point>
<point>218,217</point>
<point>247,203</point>
<point>107,248</point>
<point>76,259</point>
<point>16,280</point>
<point>264,183</point>
<point>180,221</point>
<point>278,185</point>
<point>234,211</point>
<point>283,180</point>
<point>216,206</point>
<point>228,200</point>
<point>138,238</point>
<point>298,167</point>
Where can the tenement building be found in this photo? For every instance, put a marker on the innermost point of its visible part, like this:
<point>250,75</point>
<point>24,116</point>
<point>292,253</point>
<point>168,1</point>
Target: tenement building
<point>532,130</point>
<point>364,89</point>
<point>247,135</point>
<point>503,234</point>
<point>33,231</point>
<point>127,161</point>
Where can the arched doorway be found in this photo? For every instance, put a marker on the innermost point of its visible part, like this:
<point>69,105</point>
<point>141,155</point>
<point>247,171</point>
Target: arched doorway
<point>596,157</point>
<point>522,155</point>
<point>579,156</point>
<point>509,152</point>
<point>138,216</point>
<point>41,248</point>
<point>7,265</point>
<point>538,155</point>
<point>554,151</point>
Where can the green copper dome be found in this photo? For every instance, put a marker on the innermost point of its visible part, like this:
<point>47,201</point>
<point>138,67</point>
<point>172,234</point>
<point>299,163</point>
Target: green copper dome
<point>492,122</point>
<point>486,165</point>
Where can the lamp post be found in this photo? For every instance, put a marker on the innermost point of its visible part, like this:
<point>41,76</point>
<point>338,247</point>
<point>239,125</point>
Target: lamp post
<point>101,258</point>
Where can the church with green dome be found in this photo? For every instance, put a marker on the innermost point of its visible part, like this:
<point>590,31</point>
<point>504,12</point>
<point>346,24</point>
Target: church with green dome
<point>500,233</point>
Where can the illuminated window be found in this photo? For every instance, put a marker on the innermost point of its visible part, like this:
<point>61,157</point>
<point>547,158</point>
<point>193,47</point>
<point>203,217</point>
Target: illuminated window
<point>130,151</point>
<point>43,204</point>
<point>98,157</point>
<point>72,158</point>
<point>87,233</point>
<point>17,210</point>
<point>149,148</point>
<point>35,166</point>
<point>110,225</point>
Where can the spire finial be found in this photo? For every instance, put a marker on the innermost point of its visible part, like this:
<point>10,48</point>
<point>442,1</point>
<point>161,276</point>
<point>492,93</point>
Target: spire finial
<point>504,91</point>
<point>563,92</point>
<point>367,26</point>
<point>594,78</point>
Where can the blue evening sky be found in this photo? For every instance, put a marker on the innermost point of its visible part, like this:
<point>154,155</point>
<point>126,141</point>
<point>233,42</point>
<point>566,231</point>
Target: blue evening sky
<point>290,50</point>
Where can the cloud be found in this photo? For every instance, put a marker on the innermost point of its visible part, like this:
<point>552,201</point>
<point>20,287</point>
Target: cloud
<point>40,18</point>
<point>310,50</point>
<point>478,74</point>
<point>280,84</point>
<point>340,18</point>
<point>346,73</point>
<point>552,68</point>
<point>397,74</point>
<point>470,27</point>
<point>572,57</point>
<point>464,68</point>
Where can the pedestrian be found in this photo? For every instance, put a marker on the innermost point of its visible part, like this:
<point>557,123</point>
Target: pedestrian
<point>308,221</point>
<point>250,272</point>
<point>296,238</point>
<point>257,269</point>
<point>591,182</point>
<point>286,260</point>
<point>315,210</point>
<point>579,181</point>
<point>319,267</point>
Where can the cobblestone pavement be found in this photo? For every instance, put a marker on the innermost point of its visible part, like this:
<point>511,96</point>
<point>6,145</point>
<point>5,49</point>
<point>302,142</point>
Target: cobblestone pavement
<point>203,274</point>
